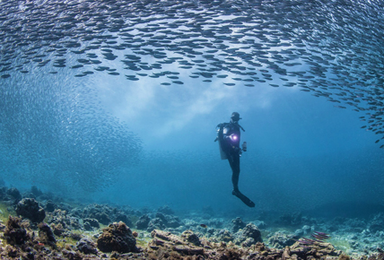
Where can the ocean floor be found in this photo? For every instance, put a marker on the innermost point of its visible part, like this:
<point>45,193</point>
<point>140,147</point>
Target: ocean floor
<point>35,225</point>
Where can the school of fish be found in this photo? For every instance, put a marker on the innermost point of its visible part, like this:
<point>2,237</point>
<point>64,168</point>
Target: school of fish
<point>330,48</point>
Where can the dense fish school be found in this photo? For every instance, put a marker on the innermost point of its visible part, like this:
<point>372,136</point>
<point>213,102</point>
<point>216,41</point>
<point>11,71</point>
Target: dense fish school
<point>330,48</point>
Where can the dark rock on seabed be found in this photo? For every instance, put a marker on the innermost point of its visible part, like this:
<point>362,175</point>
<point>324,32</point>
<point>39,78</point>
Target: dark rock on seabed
<point>91,223</point>
<point>46,235</point>
<point>117,237</point>
<point>30,208</point>
<point>10,196</point>
<point>237,224</point>
<point>86,246</point>
<point>143,222</point>
<point>14,233</point>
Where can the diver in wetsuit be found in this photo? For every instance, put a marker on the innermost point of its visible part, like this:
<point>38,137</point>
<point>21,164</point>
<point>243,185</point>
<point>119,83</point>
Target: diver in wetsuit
<point>229,140</point>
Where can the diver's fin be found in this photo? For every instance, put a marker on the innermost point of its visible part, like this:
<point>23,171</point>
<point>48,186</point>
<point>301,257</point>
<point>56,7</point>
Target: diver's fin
<point>244,199</point>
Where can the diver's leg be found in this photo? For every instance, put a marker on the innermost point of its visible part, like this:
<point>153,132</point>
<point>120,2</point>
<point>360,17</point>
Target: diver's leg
<point>236,172</point>
<point>234,162</point>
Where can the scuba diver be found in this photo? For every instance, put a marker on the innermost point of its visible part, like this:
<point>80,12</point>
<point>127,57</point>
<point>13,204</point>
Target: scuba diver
<point>228,135</point>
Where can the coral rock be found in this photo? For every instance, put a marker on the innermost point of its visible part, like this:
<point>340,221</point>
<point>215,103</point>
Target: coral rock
<point>90,223</point>
<point>14,233</point>
<point>281,240</point>
<point>143,222</point>
<point>50,206</point>
<point>165,241</point>
<point>29,208</point>
<point>102,217</point>
<point>14,193</point>
<point>189,236</point>
<point>86,246</point>
<point>166,210</point>
<point>224,235</point>
<point>252,231</point>
<point>46,234</point>
<point>117,237</point>
<point>156,223</point>
<point>315,250</point>
<point>237,224</point>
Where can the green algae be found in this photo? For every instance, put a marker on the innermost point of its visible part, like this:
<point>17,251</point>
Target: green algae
<point>65,242</point>
<point>4,213</point>
<point>340,244</point>
<point>143,241</point>
<point>70,240</point>
<point>143,238</point>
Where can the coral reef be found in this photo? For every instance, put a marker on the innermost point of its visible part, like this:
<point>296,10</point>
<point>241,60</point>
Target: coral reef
<point>74,231</point>
<point>167,245</point>
<point>104,214</point>
<point>166,210</point>
<point>63,221</point>
<point>164,218</point>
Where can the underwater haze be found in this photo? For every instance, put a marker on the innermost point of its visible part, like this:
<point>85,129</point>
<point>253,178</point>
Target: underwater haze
<point>117,102</point>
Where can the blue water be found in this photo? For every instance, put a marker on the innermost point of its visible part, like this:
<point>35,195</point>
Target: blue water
<point>303,152</point>
<point>105,139</point>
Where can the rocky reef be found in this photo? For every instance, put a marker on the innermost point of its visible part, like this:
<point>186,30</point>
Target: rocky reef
<point>166,245</point>
<point>36,226</point>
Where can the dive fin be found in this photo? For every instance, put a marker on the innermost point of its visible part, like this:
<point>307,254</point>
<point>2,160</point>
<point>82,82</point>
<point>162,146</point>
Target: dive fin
<point>244,199</point>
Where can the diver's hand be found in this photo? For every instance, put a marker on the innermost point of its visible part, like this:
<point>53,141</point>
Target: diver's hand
<point>244,146</point>
<point>237,149</point>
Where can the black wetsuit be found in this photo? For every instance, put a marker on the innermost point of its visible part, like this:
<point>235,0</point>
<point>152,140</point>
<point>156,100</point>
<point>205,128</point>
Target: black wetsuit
<point>229,137</point>
<point>231,147</point>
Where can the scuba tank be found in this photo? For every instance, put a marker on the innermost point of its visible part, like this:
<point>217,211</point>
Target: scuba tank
<point>219,138</point>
